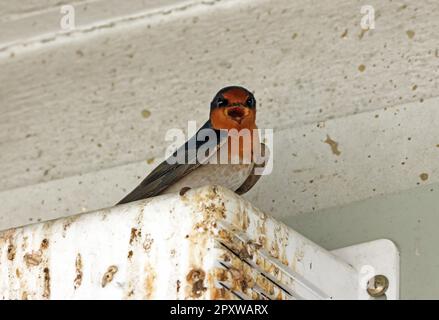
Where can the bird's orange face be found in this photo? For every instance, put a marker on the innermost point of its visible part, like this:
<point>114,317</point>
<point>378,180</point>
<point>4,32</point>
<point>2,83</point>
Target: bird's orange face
<point>233,108</point>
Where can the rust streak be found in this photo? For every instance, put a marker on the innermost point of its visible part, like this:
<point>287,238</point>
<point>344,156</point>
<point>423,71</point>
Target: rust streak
<point>46,293</point>
<point>78,266</point>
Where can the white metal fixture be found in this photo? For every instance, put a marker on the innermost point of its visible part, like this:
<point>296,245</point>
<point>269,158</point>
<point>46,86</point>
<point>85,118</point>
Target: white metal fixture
<point>206,244</point>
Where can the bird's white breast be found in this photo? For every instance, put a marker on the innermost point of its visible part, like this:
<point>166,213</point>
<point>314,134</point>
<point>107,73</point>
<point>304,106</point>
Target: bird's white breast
<point>231,176</point>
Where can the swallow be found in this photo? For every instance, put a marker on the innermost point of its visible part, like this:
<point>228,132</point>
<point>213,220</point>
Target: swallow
<point>232,107</point>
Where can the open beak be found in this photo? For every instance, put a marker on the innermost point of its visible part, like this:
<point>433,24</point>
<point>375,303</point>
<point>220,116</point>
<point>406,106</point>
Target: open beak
<point>236,113</point>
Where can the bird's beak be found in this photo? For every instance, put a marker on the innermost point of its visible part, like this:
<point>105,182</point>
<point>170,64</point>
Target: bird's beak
<point>236,113</point>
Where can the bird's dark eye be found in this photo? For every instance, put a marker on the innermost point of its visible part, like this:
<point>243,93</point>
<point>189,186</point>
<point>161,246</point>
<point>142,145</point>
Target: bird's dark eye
<point>221,102</point>
<point>251,103</point>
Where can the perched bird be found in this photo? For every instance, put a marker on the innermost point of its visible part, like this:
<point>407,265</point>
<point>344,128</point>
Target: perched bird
<point>232,111</point>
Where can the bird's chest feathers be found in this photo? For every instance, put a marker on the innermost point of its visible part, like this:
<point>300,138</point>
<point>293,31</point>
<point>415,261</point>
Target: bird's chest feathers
<point>239,148</point>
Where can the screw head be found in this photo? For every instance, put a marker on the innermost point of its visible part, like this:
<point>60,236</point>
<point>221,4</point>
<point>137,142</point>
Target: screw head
<point>377,286</point>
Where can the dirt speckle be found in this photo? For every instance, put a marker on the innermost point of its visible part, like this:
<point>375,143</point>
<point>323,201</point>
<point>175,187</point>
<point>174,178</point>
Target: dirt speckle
<point>361,67</point>
<point>424,176</point>
<point>147,244</point>
<point>146,113</point>
<point>44,244</point>
<point>410,34</point>
<point>344,34</point>
<point>333,144</point>
<point>150,160</point>
<point>78,266</point>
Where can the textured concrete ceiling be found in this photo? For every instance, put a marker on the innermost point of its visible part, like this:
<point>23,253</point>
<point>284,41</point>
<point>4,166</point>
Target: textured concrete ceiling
<point>85,113</point>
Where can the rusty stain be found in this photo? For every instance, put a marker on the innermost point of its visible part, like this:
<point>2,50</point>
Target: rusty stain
<point>149,281</point>
<point>424,176</point>
<point>18,273</point>
<point>130,254</point>
<point>7,235</point>
<point>274,250</point>
<point>333,144</point>
<point>134,234</point>
<point>46,293</point>
<point>44,244</point>
<point>78,266</point>
<point>220,274</point>
<point>219,294</point>
<point>195,279</point>
<point>24,243</point>
<point>109,275</point>
<point>241,278</point>
<point>24,296</point>
<point>244,253</point>
<point>150,161</point>
<point>11,252</point>
<point>33,259</point>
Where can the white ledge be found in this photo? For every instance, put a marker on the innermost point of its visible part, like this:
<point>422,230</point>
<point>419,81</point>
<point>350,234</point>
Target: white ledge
<point>207,244</point>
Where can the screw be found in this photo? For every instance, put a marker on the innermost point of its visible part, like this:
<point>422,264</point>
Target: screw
<point>377,286</point>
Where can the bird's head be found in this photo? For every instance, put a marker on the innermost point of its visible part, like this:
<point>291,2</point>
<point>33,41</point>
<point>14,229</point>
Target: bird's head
<point>233,108</point>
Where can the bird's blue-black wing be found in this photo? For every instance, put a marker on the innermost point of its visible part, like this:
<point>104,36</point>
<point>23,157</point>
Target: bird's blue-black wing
<point>168,172</point>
